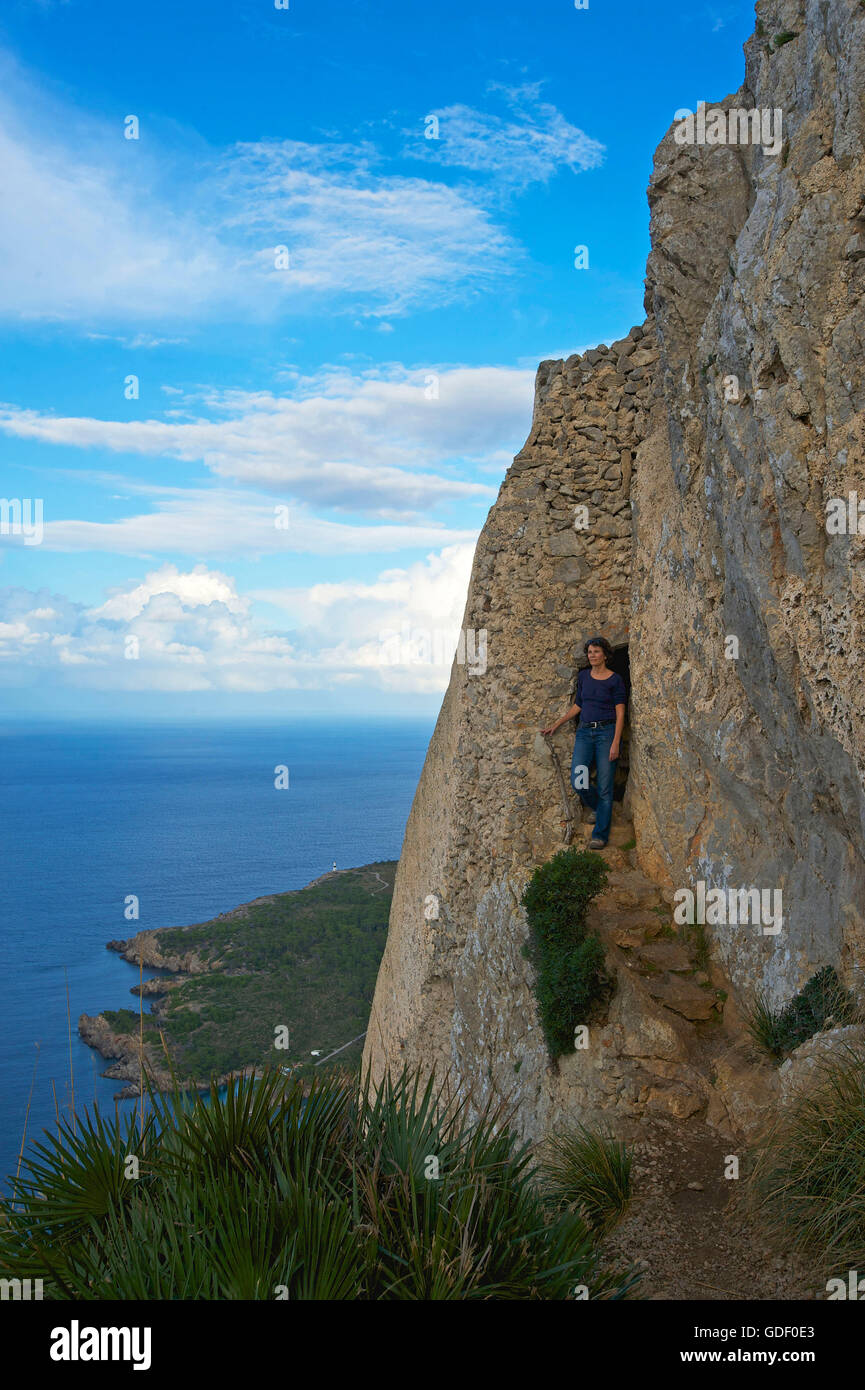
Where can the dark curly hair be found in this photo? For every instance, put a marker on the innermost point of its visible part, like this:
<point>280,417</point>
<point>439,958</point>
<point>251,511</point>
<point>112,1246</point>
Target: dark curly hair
<point>598,642</point>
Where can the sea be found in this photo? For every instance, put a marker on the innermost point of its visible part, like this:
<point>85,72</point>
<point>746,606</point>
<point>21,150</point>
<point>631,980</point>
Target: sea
<point>189,820</point>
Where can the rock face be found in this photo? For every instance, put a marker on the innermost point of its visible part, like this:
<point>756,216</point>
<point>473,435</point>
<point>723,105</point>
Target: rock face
<point>127,1059</point>
<point>145,948</point>
<point>748,770</point>
<point>802,1069</point>
<point>705,448</point>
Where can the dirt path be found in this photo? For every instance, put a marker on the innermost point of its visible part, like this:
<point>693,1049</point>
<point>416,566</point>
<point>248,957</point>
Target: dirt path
<point>681,1226</point>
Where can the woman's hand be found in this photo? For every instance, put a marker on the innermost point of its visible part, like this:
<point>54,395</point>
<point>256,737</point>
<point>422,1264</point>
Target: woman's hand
<point>568,714</point>
<point>614,750</point>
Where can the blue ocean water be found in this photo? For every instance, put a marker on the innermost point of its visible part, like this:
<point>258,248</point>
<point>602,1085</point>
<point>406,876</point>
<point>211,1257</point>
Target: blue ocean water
<point>186,817</point>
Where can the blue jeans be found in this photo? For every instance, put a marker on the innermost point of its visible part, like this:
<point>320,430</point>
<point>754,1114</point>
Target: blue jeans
<point>593,746</point>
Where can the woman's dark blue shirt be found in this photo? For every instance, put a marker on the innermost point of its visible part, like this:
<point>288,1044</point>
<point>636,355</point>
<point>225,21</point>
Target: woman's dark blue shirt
<point>598,699</point>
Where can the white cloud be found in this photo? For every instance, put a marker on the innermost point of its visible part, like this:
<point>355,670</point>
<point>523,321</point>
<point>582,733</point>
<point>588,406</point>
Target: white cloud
<point>73,243</point>
<point>385,241</point>
<point>138,340</point>
<point>528,145</point>
<point>195,631</point>
<point>11,632</point>
<point>350,442</point>
<point>197,588</point>
<point>229,523</point>
<point>97,229</point>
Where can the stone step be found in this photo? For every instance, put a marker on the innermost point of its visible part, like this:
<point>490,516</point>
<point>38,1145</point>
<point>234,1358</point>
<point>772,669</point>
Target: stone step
<point>613,857</point>
<point>629,888</point>
<point>626,928</point>
<point>667,954</point>
<point>621,832</point>
<point>683,996</point>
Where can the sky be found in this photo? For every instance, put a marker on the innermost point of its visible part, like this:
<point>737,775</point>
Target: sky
<point>275,278</point>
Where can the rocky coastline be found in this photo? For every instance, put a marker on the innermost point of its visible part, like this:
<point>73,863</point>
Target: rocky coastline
<point>122,1048</point>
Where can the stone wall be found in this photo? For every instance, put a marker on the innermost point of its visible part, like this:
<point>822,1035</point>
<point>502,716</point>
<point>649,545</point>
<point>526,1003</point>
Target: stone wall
<point>454,992</point>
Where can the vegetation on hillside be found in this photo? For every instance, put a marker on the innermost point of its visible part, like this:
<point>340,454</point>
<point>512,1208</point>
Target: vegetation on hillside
<point>808,1183</point>
<point>306,961</point>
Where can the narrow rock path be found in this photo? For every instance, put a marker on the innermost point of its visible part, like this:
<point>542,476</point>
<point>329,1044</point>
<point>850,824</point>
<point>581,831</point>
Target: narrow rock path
<point>684,1226</point>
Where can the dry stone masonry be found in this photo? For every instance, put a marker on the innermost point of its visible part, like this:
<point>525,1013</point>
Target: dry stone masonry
<point>673,495</point>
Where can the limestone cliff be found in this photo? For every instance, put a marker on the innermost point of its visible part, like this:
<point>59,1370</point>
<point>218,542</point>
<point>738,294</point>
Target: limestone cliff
<point>705,448</point>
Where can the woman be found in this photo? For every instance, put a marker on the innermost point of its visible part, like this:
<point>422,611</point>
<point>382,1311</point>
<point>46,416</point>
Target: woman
<point>600,702</point>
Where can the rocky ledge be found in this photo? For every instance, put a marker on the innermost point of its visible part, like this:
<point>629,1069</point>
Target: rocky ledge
<point>123,1049</point>
<point>124,1052</point>
<point>145,949</point>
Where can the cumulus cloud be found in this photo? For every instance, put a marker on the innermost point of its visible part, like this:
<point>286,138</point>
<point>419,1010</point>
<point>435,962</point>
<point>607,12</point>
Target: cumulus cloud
<point>198,588</point>
<point>350,442</point>
<point>402,629</point>
<point>191,630</point>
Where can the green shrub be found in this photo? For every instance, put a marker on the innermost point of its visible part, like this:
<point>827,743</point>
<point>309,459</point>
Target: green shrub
<point>808,1184</point>
<point>821,1003</point>
<point>764,1025</point>
<point>590,1171</point>
<point>323,1193</point>
<point>570,979</point>
<point>127,1021</point>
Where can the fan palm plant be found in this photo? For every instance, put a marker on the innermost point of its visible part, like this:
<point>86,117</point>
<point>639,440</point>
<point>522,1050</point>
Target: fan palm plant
<point>275,1191</point>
